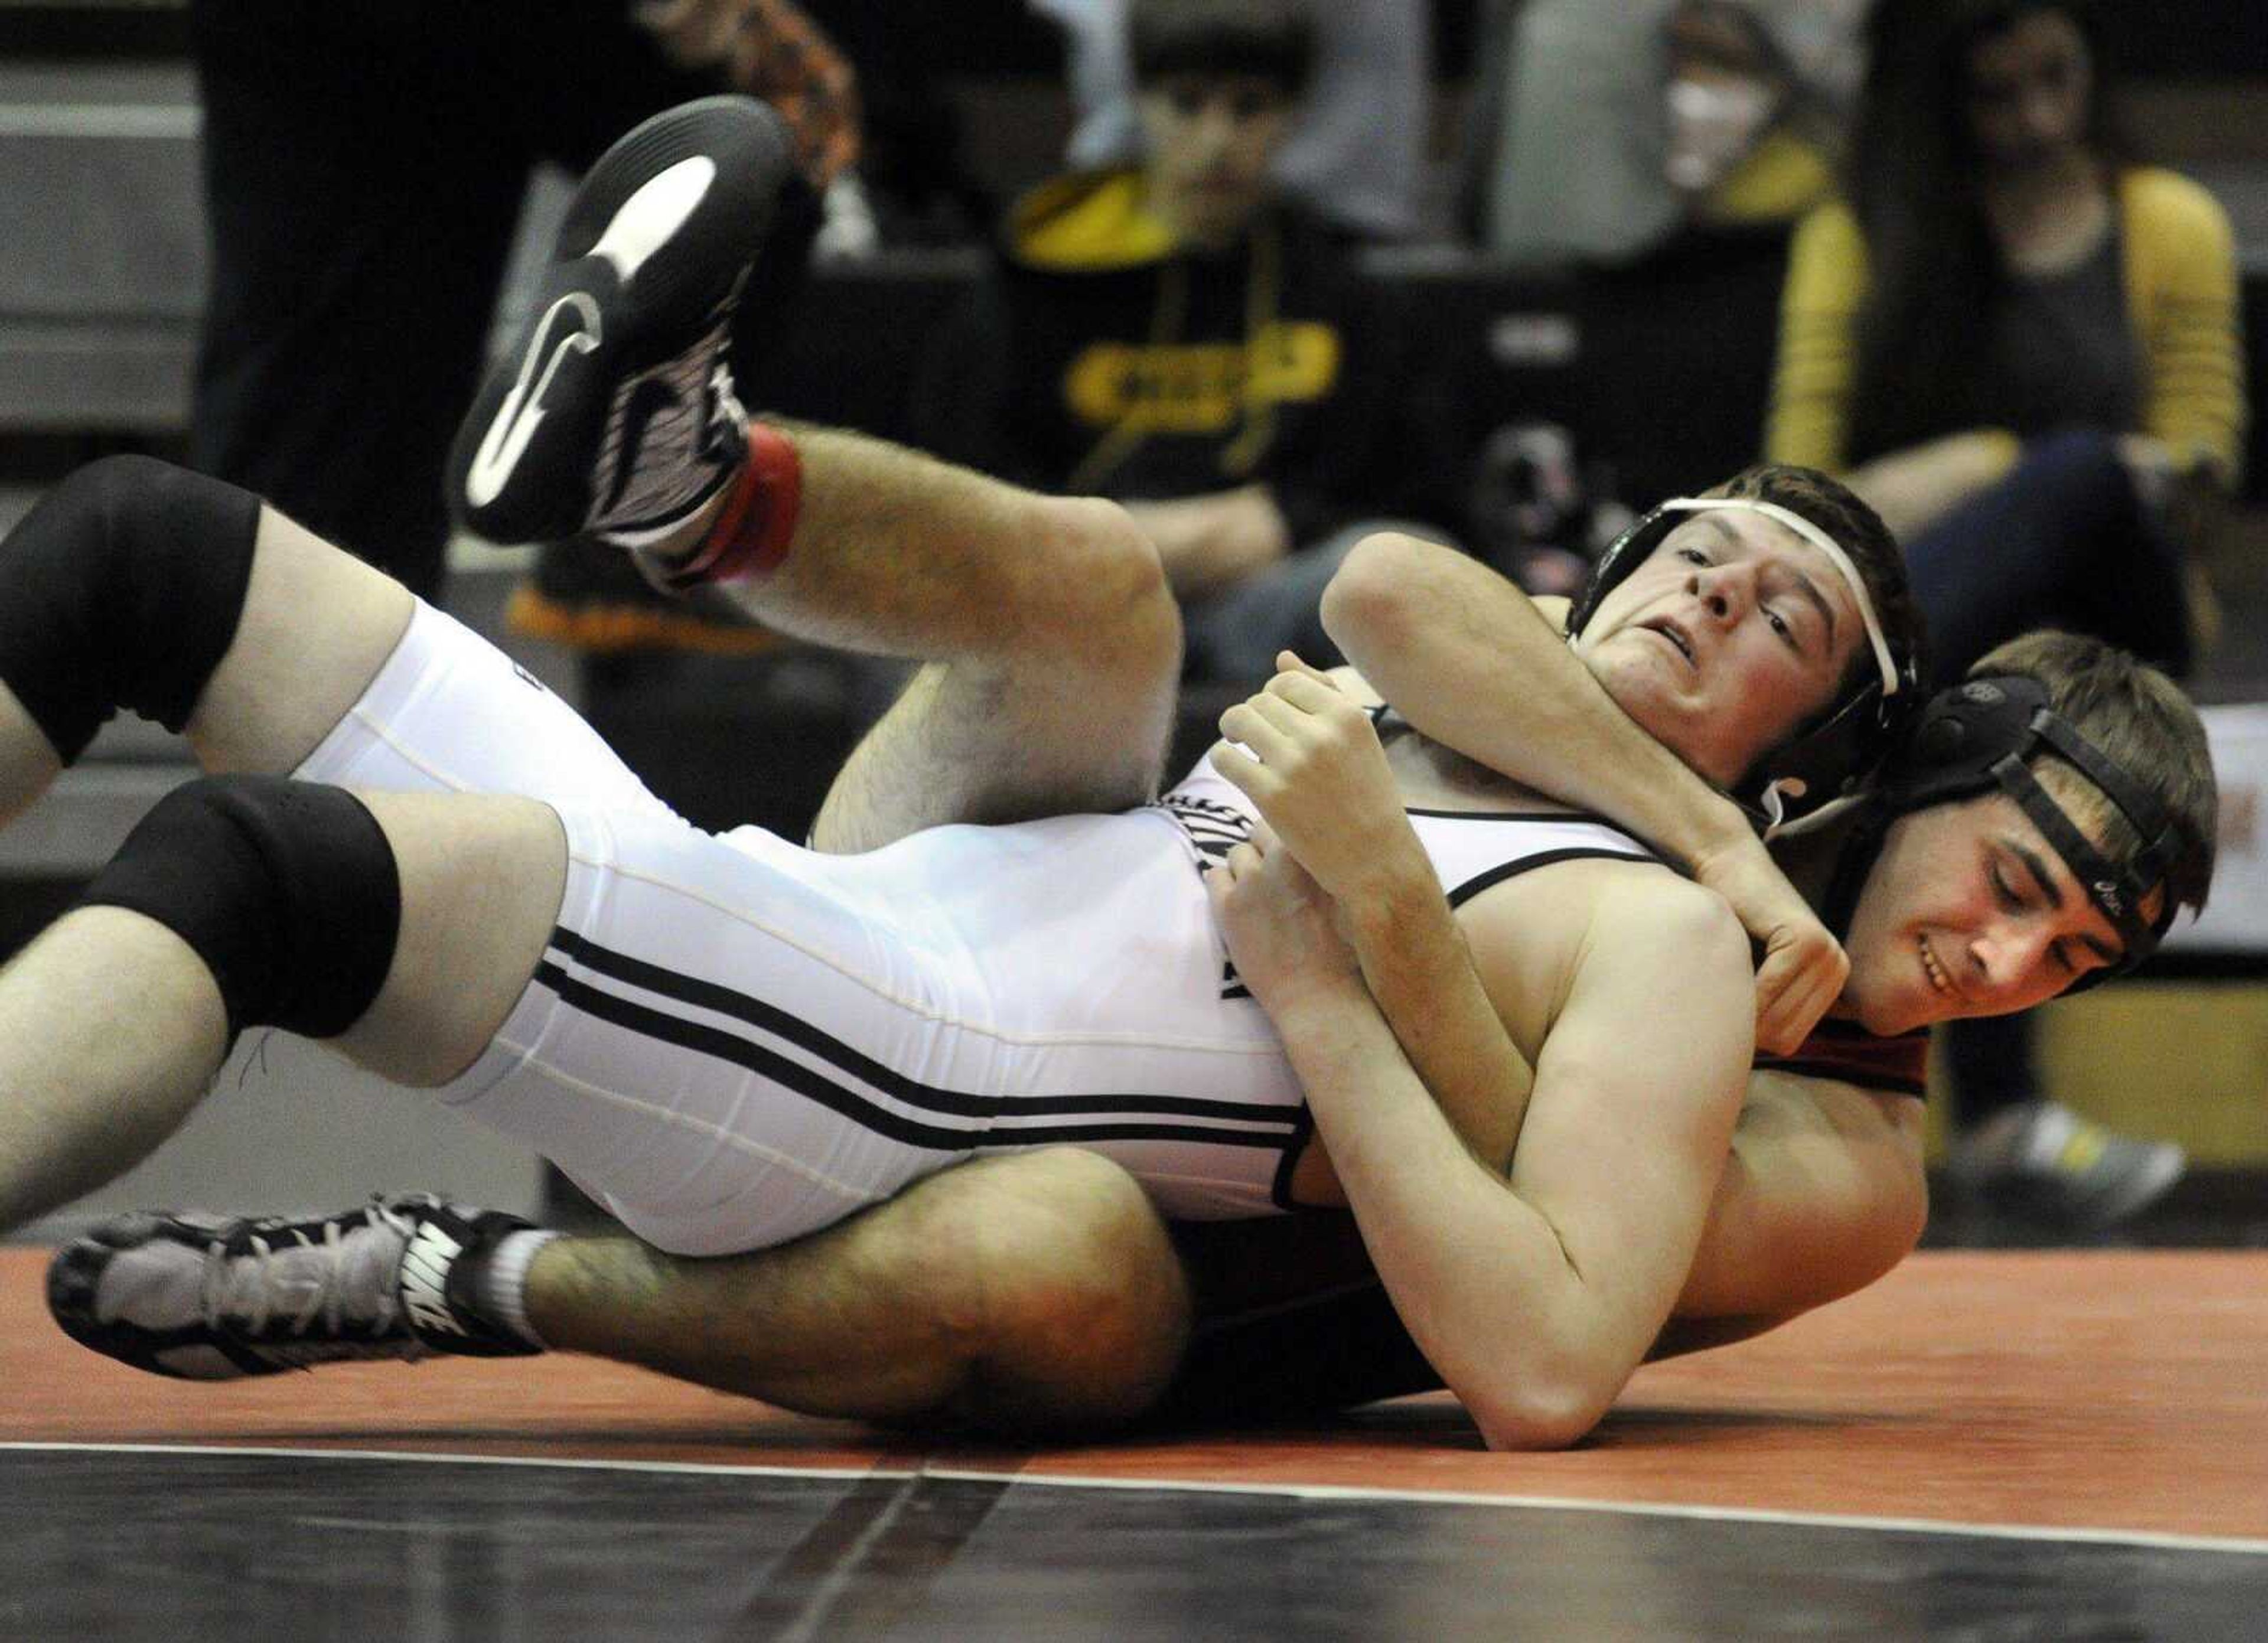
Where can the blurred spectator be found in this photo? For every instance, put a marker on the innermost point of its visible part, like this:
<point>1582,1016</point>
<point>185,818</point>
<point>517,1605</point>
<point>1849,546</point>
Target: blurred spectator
<point>1599,132</point>
<point>1182,337</point>
<point>364,165</point>
<point>1537,512</point>
<point>1355,153</point>
<point>1185,339</point>
<point>2020,345</point>
<point>913,159</point>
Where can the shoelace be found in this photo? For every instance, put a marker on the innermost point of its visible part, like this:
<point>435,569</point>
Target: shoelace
<point>240,1286</point>
<point>728,421</point>
<point>680,460</point>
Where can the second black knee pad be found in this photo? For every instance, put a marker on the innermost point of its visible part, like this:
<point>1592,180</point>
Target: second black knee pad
<point>287,891</point>
<point>122,588</point>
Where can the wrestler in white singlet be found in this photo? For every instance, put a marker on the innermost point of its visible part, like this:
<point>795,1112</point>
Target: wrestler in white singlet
<point>733,1041</point>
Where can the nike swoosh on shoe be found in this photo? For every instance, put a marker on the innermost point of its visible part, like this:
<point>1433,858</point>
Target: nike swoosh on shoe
<point>522,412</point>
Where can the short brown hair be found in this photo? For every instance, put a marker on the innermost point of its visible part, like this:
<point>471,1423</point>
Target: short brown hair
<point>2139,720</point>
<point>1272,39</point>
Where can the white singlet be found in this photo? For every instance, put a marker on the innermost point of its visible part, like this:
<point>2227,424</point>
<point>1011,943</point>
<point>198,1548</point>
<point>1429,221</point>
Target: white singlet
<point>733,1041</point>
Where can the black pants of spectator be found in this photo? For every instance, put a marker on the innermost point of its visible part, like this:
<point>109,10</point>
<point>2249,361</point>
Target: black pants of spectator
<point>364,165</point>
<point>2063,541</point>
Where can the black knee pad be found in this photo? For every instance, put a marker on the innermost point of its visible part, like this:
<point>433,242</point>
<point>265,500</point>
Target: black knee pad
<point>123,589</point>
<point>287,891</point>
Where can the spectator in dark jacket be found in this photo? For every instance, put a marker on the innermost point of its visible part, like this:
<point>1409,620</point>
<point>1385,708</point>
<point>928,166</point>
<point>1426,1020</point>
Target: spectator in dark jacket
<point>1182,337</point>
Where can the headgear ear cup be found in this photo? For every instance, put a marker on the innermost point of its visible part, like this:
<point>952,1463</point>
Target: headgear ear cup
<point>1938,740</point>
<point>1960,734</point>
<point>1621,556</point>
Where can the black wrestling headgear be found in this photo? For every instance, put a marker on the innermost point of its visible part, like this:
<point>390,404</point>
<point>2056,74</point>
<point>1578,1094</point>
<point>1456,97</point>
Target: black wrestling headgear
<point>1976,736</point>
<point>1831,756</point>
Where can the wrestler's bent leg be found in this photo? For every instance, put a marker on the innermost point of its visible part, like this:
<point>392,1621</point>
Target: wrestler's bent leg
<point>140,586</point>
<point>404,928</point>
<point>137,585</point>
<point>1050,634</point>
<point>1062,700</point>
<point>614,415</point>
<point>1019,1295</point>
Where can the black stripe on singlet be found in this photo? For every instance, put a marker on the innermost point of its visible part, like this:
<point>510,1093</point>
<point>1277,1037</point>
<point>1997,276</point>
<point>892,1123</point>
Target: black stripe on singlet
<point>1139,1117</point>
<point>1279,1190</point>
<point>1496,875</point>
<point>1511,815</point>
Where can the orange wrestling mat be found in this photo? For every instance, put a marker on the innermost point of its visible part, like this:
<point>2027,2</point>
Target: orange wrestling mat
<point>2101,1393</point>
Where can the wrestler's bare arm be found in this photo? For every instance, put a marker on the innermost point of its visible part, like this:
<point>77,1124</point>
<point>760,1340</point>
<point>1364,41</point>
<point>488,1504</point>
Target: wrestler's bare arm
<point>1822,1190</point>
<point>1534,1297</point>
<point>1308,757</point>
<point>1823,1193</point>
<point>1471,662</point>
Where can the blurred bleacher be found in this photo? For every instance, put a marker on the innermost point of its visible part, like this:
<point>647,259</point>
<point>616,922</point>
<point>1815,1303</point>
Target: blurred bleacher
<point>1661,370</point>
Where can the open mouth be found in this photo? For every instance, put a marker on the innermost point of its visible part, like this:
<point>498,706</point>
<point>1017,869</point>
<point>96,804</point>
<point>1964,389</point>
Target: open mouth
<point>1935,971</point>
<point>1676,636</point>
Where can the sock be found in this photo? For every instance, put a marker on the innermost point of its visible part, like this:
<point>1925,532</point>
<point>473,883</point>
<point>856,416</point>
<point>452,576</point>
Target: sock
<point>500,1286</point>
<point>751,534</point>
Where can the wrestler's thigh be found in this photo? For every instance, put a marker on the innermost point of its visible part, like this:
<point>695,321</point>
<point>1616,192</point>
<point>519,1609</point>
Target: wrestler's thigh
<point>1050,686</point>
<point>318,623</point>
<point>450,712</point>
<point>481,877</point>
<point>1001,741</point>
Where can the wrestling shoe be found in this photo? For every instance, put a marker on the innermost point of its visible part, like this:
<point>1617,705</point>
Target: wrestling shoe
<point>204,1298</point>
<point>2046,1163</point>
<point>614,414</point>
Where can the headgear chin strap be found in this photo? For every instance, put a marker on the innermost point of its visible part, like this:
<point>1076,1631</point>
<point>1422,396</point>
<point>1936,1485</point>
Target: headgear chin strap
<point>1829,757</point>
<point>1977,736</point>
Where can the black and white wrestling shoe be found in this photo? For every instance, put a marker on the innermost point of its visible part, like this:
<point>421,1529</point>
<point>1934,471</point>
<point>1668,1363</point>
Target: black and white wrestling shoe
<point>204,1298</point>
<point>612,413</point>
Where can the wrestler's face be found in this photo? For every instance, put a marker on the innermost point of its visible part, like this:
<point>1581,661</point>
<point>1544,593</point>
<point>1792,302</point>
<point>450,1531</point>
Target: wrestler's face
<point>1731,633</point>
<point>1210,140</point>
<point>2030,87</point>
<point>1968,911</point>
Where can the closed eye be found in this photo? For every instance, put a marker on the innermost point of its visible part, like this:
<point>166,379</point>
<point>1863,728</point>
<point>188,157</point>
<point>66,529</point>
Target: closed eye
<point>2009,897</point>
<point>2003,892</point>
